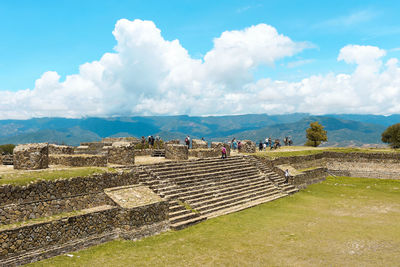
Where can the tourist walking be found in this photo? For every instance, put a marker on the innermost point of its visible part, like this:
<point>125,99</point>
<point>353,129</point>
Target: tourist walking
<point>260,146</point>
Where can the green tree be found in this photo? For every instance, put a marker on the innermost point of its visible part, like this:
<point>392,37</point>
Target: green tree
<point>7,148</point>
<point>392,135</point>
<point>315,134</point>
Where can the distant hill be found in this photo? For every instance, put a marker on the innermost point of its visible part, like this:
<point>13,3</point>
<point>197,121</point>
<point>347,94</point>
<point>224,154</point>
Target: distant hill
<point>344,129</point>
<point>340,132</point>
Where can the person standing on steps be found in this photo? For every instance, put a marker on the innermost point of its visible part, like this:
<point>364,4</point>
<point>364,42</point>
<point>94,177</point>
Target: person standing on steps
<point>260,146</point>
<point>187,141</point>
<point>223,152</point>
<point>287,175</point>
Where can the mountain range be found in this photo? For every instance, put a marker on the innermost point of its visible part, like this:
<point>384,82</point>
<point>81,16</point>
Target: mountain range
<point>343,129</point>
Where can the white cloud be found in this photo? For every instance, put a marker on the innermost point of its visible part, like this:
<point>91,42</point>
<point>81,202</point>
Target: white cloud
<point>150,75</point>
<point>298,63</point>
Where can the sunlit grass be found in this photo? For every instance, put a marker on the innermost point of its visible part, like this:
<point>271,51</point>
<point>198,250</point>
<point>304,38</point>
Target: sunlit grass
<point>304,150</point>
<point>341,222</point>
<point>23,177</point>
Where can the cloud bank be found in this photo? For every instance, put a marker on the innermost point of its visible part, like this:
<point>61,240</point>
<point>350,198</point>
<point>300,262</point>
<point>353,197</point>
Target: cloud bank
<point>148,75</point>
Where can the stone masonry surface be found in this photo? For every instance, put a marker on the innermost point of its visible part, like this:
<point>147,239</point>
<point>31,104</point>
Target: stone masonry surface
<point>56,149</point>
<point>122,153</point>
<point>247,146</point>
<point>79,160</point>
<point>197,143</point>
<point>45,190</point>
<point>12,213</point>
<point>176,152</point>
<point>31,156</point>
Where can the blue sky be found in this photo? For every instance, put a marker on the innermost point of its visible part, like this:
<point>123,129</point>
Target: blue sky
<point>41,36</point>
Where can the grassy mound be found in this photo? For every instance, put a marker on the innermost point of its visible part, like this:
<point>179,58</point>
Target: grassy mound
<point>340,222</point>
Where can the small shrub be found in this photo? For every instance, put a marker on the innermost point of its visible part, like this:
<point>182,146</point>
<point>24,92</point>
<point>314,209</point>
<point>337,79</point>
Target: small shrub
<point>7,149</point>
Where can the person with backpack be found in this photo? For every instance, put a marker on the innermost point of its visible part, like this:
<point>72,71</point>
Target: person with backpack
<point>187,141</point>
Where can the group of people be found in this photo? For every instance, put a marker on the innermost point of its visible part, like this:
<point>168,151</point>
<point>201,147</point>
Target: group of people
<point>235,144</point>
<point>151,141</point>
<point>273,144</point>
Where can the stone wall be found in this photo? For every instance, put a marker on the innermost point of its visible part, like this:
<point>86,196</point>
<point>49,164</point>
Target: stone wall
<point>176,142</point>
<point>79,160</point>
<point>355,164</point>
<point>122,153</point>
<point>176,152</point>
<point>199,144</point>
<point>217,147</point>
<point>302,179</point>
<point>31,156</point>
<point>62,188</point>
<point>41,235</point>
<point>143,152</point>
<point>111,140</point>
<point>46,238</point>
<point>56,149</point>
<point>247,146</point>
<point>15,212</point>
<point>204,153</point>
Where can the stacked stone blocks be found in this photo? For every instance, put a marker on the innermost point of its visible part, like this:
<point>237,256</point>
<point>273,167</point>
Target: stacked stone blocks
<point>31,156</point>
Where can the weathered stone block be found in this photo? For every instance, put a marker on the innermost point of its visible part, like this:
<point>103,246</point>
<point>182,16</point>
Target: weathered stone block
<point>247,146</point>
<point>176,142</point>
<point>80,160</point>
<point>217,147</point>
<point>56,149</point>
<point>176,152</point>
<point>197,143</point>
<point>31,156</point>
<point>204,153</point>
<point>122,153</point>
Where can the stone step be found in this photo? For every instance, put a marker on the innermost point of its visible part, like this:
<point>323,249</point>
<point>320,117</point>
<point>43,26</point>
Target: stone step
<point>246,205</point>
<point>202,170</point>
<point>184,224</point>
<point>183,217</point>
<point>169,187</point>
<point>175,214</point>
<point>195,180</point>
<point>222,187</point>
<point>226,191</point>
<point>189,168</point>
<point>233,197</point>
<point>201,187</point>
<point>191,162</point>
<point>238,203</point>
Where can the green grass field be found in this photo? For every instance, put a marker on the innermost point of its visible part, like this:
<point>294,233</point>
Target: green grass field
<point>340,222</point>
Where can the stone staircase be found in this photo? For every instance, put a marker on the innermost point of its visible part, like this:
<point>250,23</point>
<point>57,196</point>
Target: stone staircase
<point>205,188</point>
<point>158,153</point>
<point>277,179</point>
